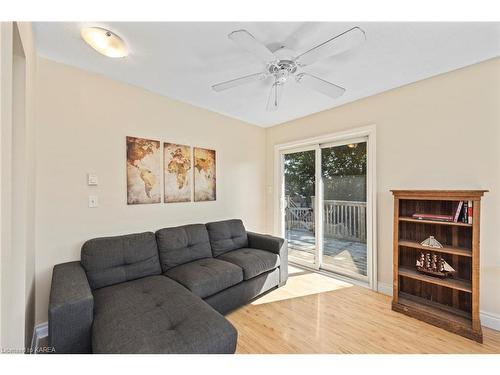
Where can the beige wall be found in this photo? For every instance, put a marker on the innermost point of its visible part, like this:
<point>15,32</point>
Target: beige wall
<point>18,67</point>
<point>442,133</point>
<point>82,122</point>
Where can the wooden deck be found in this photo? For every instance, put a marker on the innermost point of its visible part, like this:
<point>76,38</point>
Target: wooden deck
<point>314,313</point>
<point>348,255</point>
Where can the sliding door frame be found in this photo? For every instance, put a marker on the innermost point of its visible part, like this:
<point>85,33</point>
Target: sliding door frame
<point>368,134</point>
<point>317,261</point>
<point>331,267</point>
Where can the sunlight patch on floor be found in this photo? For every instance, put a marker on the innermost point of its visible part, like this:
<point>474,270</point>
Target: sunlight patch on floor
<point>296,270</point>
<point>302,283</point>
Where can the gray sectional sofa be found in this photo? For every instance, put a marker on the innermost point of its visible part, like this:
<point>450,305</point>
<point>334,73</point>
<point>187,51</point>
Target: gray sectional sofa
<point>162,292</point>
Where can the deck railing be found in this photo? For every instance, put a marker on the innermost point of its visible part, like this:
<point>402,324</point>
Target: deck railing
<point>344,219</point>
<point>341,219</point>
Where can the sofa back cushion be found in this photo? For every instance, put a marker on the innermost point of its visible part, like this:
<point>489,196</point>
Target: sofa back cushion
<point>227,235</point>
<point>183,244</point>
<point>113,260</point>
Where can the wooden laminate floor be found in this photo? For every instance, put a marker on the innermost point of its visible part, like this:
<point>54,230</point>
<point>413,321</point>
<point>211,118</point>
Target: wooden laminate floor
<point>314,313</point>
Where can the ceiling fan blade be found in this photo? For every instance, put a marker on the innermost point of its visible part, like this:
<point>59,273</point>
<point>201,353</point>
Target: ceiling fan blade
<point>318,84</point>
<point>247,41</point>
<point>238,82</point>
<point>275,94</point>
<point>334,46</point>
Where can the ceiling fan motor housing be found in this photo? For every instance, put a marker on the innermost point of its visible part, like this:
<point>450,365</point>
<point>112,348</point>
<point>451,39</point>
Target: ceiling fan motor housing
<point>281,69</point>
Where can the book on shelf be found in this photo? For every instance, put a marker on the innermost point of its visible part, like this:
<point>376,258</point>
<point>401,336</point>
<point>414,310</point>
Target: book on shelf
<point>466,213</point>
<point>422,216</point>
<point>458,211</point>
<point>463,215</point>
<point>469,212</point>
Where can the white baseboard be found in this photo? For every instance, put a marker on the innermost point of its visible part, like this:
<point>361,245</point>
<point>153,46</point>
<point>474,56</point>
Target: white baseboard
<point>384,288</point>
<point>488,319</point>
<point>40,332</point>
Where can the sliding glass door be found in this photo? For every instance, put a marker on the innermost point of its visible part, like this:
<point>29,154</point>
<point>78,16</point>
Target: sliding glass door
<point>325,207</point>
<point>343,174</point>
<point>298,201</point>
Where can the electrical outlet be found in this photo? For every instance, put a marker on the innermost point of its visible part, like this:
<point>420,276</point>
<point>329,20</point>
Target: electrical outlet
<point>93,201</point>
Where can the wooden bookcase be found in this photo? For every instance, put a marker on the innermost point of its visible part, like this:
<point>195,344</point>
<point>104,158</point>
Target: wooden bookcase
<point>449,303</point>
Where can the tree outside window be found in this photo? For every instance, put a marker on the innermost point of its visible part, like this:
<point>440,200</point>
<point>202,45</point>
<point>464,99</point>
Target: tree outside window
<point>343,173</point>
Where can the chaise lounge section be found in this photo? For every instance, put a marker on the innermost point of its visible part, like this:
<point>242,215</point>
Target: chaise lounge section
<point>162,292</point>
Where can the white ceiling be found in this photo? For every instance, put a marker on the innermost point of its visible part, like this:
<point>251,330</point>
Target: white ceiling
<point>182,60</point>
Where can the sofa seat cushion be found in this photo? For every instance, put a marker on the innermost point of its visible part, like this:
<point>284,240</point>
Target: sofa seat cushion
<point>205,277</point>
<point>157,315</point>
<point>183,244</point>
<point>227,235</point>
<point>253,261</point>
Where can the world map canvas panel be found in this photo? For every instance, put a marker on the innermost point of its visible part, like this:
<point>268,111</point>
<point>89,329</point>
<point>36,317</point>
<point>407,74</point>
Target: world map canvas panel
<point>177,177</point>
<point>143,171</point>
<point>204,175</point>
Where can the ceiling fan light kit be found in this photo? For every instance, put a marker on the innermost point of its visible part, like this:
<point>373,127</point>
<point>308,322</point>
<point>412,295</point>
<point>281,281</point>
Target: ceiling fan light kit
<point>282,70</point>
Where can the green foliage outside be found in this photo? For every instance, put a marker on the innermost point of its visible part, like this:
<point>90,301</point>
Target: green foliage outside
<point>343,171</point>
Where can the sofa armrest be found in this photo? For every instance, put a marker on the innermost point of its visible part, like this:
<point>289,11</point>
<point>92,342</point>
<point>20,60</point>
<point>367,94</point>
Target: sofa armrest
<point>273,244</point>
<point>71,309</point>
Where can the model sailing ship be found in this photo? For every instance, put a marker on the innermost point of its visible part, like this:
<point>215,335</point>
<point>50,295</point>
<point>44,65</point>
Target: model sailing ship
<point>431,263</point>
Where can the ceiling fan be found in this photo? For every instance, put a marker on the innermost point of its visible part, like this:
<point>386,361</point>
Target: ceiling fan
<point>284,70</point>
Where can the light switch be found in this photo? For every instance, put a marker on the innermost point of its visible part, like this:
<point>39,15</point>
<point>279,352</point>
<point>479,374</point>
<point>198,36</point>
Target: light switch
<point>92,179</point>
<point>93,201</point>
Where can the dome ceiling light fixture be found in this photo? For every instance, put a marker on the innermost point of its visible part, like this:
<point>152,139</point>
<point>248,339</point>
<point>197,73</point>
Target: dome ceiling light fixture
<point>104,41</point>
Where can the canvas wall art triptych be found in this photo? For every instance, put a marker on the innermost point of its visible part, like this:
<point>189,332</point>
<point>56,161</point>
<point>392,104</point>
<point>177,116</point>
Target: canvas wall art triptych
<point>185,169</point>
<point>143,171</point>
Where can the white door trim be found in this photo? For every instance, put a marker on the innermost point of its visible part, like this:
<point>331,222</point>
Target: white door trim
<point>318,208</point>
<point>326,140</point>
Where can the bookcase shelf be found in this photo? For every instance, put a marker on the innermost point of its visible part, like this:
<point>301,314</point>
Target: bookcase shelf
<point>436,310</point>
<point>449,283</point>
<point>446,249</point>
<point>433,222</point>
<point>450,303</point>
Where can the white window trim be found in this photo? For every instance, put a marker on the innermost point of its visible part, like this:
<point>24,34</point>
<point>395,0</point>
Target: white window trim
<point>326,140</point>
